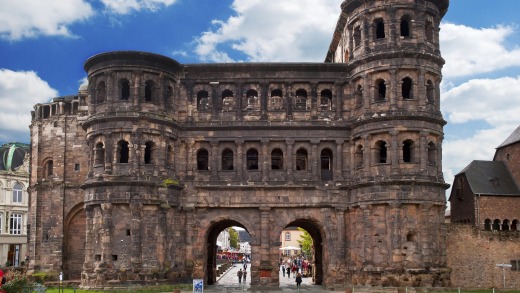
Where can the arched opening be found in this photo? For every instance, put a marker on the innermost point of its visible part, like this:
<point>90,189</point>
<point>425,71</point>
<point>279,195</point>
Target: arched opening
<point>381,152</point>
<point>514,225</point>
<point>505,225</point>
<point>359,156</point>
<point>202,101</point>
<point>101,93</point>
<point>357,36</point>
<point>228,244</point>
<point>148,152</point>
<point>49,169</point>
<point>277,159</point>
<point>125,89</point>
<point>227,160</point>
<point>359,96</point>
<point>252,159</point>
<point>301,252</point>
<point>74,243</point>
<point>408,147</point>
<point>301,159</point>
<point>432,153</point>
<point>276,100</point>
<point>430,92</point>
<point>148,91</point>
<point>407,88</point>
<point>429,31</point>
<point>379,26</point>
<point>405,27</point>
<point>380,90</point>
<point>99,157</point>
<point>487,225</point>
<point>326,165</point>
<point>496,225</point>
<point>202,160</point>
<point>252,100</point>
<point>301,100</point>
<point>326,100</point>
<point>122,152</point>
<point>227,100</point>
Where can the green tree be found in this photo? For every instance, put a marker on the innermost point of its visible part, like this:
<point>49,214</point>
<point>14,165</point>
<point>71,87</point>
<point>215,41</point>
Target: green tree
<point>233,238</point>
<point>306,243</point>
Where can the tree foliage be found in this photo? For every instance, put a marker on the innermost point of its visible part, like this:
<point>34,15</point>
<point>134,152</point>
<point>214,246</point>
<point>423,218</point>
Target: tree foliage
<point>306,243</point>
<point>233,238</point>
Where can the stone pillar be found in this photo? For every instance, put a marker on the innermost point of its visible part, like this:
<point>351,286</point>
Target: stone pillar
<point>288,101</point>
<point>367,157</point>
<point>394,227</point>
<point>394,90</point>
<point>136,210</point>
<point>424,237</point>
<point>394,151</point>
<point>188,244</point>
<point>190,156</point>
<point>341,241</point>
<point>338,102</point>
<point>350,45</point>
<point>368,95</point>
<point>135,95</point>
<point>289,160</point>
<point>338,174</point>
<point>106,249</point>
<point>240,160</point>
<point>423,150</point>
<point>420,90</point>
<point>314,159</point>
<point>439,155</point>
<point>264,99</point>
<point>314,101</point>
<point>240,100</point>
<point>89,240</point>
<point>214,159</point>
<point>265,160</point>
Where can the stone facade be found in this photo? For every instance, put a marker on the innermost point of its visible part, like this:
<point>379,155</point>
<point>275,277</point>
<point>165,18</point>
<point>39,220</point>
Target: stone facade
<point>155,158</point>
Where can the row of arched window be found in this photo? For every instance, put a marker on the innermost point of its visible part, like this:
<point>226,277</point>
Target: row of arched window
<point>151,91</point>
<point>17,192</point>
<point>123,153</point>
<point>407,91</point>
<point>501,225</point>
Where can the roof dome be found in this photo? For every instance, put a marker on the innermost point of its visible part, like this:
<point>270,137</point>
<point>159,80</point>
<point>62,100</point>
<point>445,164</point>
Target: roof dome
<point>12,155</point>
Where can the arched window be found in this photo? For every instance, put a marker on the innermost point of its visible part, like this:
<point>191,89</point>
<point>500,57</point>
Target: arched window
<point>405,27</point>
<point>380,90</point>
<point>429,31</point>
<point>430,92</point>
<point>496,225</point>
<point>148,152</point>
<point>359,96</point>
<point>125,89</point>
<point>487,225</point>
<point>326,100</point>
<point>276,101</point>
<point>122,152</point>
<point>148,91</point>
<point>202,101</point>
<point>505,225</point>
<point>49,169</point>
<point>17,193</point>
<point>251,99</point>
<point>99,154</point>
<point>101,92</point>
<point>407,88</point>
<point>326,164</point>
<point>301,159</point>
<point>169,155</point>
<point>227,100</point>
<point>202,160</point>
<point>359,156</point>
<point>357,36</point>
<point>408,146</point>
<point>514,225</point>
<point>301,100</point>
<point>252,159</point>
<point>381,152</point>
<point>227,160</point>
<point>277,159</point>
<point>379,26</point>
<point>432,154</point>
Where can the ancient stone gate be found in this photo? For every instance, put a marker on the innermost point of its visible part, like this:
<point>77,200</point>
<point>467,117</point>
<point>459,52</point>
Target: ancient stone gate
<point>133,177</point>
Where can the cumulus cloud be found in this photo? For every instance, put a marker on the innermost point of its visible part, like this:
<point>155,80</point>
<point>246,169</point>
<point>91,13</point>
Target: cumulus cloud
<point>272,30</point>
<point>128,6</point>
<point>469,51</point>
<point>19,92</point>
<point>21,19</point>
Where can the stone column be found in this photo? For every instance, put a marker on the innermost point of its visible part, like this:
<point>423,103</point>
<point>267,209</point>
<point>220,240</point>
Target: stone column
<point>314,160</point>
<point>106,249</point>
<point>420,90</point>
<point>338,102</point>
<point>423,150</point>
<point>394,227</point>
<point>135,96</point>
<point>367,156</point>
<point>136,209</point>
<point>265,160</point>
<point>190,233</point>
<point>350,42</point>
<point>240,160</point>
<point>264,99</point>
<point>341,241</point>
<point>288,101</point>
<point>439,155</point>
<point>240,100</point>
<point>338,174</point>
<point>394,90</point>
<point>214,159</point>
<point>289,160</point>
<point>190,156</point>
<point>394,151</point>
<point>89,239</point>
<point>425,240</point>
<point>314,101</point>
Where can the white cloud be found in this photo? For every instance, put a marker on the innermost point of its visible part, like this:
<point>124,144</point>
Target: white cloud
<point>272,30</point>
<point>19,92</point>
<point>469,51</point>
<point>31,18</point>
<point>128,6</point>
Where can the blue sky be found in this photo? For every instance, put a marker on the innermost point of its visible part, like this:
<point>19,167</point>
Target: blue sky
<point>43,45</point>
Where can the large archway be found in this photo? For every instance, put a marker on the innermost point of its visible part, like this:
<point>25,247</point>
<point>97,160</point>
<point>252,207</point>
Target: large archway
<point>74,243</point>
<point>316,259</point>
<point>212,248</point>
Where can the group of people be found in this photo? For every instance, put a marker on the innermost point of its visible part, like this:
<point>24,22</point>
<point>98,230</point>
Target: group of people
<point>296,267</point>
<point>242,274</point>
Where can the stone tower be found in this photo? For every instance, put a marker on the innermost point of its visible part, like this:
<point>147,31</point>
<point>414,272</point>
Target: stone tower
<point>133,179</point>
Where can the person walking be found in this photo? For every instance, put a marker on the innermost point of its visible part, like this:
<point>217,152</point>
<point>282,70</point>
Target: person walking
<point>288,271</point>
<point>298,281</point>
<point>283,269</point>
<point>244,275</point>
<point>239,274</point>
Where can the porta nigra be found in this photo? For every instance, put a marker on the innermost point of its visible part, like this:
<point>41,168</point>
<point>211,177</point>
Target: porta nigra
<point>133,178</point>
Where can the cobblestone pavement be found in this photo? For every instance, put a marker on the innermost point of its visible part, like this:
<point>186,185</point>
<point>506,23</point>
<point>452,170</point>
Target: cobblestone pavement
<point>229,283</point>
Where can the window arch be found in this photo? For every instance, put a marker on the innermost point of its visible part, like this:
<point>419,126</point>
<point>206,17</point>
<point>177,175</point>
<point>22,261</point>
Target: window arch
<point>405,26</point>
<point>168,96</point>
<point>380,90</point>
<point>359,96</point>
<point>381,152</point>
<point>359,156</point>
<point>301,100</point>
<point>169,155</point>
<point>227,100</point>
<point>148,91</point>
<point>432,153</point>
<point>430,92</point>
<point>326,100</point>
<point>276,101</point>
<point>125,89</point>
<point>149,150</point>
<point>251,99</point>
<point>49,169</point>
<point>407,88</point>
<point>17,193</point>
<point>514,225</point>
<point>101,92</point>
<point>202,101</point>
<point>326,164</point>
<point>202,160</point>
<point>227,160</point>
<point>379,26</point>
<point>252,159</point>
<point>301,159</point>
<point>487,225</point>
<point>99,154</point>
<point>408,147</point>
<point>496,225</point>
<point>505,225</point>
<point>357,36</point>
<point>277,159</point>
<point>123,152</point>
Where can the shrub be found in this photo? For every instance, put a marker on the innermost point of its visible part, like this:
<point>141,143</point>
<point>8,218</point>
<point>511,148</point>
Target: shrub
<point>16,282</point>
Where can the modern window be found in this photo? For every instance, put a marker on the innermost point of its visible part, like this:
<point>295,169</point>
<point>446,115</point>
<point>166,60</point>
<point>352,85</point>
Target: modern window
<point>287,236</point>
<point>15,224</point>
<point>17,193</point>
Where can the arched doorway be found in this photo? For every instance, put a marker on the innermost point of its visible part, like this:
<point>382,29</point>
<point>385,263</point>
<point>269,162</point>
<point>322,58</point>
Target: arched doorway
<point>219,255</point>
<point>74,243</point>
<point>297,252</point>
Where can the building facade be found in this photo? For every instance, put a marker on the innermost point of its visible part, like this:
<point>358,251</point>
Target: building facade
<point>142,170</point>
<point>14,203</point>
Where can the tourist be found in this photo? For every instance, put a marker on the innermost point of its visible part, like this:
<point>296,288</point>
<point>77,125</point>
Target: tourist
<point>298,280</point>
<point>244,275</point>
<point>239,274</point>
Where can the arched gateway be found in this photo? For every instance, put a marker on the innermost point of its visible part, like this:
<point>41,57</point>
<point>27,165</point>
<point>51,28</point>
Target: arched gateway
<point>154,158</point>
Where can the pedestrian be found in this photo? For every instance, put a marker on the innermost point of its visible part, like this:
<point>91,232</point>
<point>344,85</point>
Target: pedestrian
<point>239,274</point>
<point>283,269</point>
<point>288,271</point>
<point>244,276</point>
<point>298,280</point>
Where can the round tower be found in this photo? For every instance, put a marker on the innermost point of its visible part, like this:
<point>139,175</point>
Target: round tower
<point>398,190</point>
